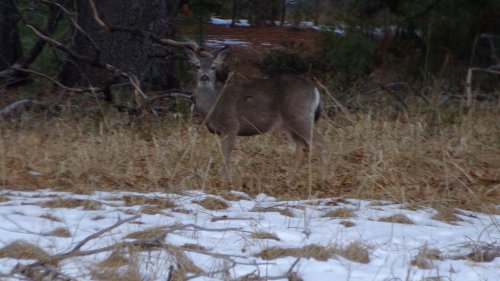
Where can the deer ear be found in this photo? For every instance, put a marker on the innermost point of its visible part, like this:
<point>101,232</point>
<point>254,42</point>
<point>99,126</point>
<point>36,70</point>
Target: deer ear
<point>221,55</point>
<point>192,57</point>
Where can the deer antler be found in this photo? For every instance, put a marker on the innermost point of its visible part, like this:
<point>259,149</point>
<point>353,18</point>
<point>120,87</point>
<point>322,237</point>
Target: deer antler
<point>193,46</point>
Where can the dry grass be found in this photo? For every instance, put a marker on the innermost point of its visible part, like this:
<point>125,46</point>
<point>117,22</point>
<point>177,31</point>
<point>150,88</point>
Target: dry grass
<point>423,156</point>
<point>423,259</point>
<point>344,213</point>
<point>264,235</point>
<point>72,203</point>
<point>143,200</point>
<point>214,204</point>
<point>60,232</point>
<point>23,250</point>
<point>317,252</point>
<point>446,214</point>
<point>117,266</point>
<point>147,234</point>
<point>50,217</point>
<point>347,223</point>
<point>397,219</point>
<point>355,251</point>
<point>282,211</point>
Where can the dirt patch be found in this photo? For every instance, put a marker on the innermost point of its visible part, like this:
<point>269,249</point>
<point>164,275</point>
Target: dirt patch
<point>262,38</point>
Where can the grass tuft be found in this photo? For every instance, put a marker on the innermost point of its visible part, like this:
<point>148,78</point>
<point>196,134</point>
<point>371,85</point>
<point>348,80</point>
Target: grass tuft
<point>147,234</point>
<point>283,211</point>
<point>72,203</point>
<point>23,250</point>
<point>340,213</point>
<point>397,219</point>
<point>264,235</point>
<point>60,232</point>
<point>355,251</point>
<point>212,203</point>
<point>317,252</point>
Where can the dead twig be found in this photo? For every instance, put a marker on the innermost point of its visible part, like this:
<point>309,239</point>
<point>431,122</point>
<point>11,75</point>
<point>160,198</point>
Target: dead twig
<point>21,106</point>
<point>468,82</point>
<point>96,17</point>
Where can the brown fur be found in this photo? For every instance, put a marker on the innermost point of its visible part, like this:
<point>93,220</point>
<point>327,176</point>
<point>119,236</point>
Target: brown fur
<point>255,106</point>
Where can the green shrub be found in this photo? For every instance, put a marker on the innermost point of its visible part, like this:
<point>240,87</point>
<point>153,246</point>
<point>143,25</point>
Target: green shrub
<point>289,59</point>
<point>351,55</point>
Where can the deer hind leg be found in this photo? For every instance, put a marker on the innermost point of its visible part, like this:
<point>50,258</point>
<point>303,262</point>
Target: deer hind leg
<point>303,146</point>
<point>300,152</point>
<point>227,147</point>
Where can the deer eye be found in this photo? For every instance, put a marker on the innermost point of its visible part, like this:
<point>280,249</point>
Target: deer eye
<point>197,67</point>
<point>213,67</point>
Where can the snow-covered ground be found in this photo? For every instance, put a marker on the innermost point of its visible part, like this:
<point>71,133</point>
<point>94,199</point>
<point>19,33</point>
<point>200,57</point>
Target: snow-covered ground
<point>213,43</point>
<point>224,241</point>
<point>227,22</point>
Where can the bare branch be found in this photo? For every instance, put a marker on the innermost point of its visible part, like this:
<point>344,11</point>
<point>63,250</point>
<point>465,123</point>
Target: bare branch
<point>59,84</point>
<point>102,231</point>
<point>20,106</point>
<point>96,16</point>
<point>468,82</point>
<point>74,22</point>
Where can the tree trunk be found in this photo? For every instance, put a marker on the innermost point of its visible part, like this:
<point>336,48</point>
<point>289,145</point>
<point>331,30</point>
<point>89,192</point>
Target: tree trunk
<point>133,53</point>
<point>283,13</point>
<point>10,46</point>
<point>234,11</point>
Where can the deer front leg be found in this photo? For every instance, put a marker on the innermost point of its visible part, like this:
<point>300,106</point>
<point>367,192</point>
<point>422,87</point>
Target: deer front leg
<point>227,147</point>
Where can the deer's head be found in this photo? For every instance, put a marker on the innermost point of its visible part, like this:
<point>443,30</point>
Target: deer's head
<point>206,65</point>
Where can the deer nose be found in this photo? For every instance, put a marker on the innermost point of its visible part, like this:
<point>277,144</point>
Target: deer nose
<point>204,78</point>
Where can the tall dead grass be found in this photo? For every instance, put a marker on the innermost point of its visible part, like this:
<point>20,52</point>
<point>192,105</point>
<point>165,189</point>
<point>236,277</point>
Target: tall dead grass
<point>422,156</point>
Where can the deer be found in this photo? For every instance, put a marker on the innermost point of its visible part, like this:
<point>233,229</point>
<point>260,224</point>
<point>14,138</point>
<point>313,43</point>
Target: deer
<point>253,106</point>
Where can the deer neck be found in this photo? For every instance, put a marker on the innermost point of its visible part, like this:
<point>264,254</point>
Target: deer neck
<point>206,99</point>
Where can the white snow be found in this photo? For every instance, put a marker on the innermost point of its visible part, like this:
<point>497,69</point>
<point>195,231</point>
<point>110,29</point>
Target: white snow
<point>227,22</point>
<point>213,43</point>
<point>391,246</point>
